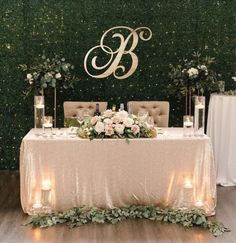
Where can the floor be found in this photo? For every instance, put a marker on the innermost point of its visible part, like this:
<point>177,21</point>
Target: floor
<point>138,231</point>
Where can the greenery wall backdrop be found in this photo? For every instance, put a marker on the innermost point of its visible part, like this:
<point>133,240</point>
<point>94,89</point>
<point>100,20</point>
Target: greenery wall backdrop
<point>72,27</point>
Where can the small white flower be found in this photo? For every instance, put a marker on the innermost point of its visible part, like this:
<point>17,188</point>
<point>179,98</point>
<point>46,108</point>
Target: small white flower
<point>234,78</point>
<point>58,75</point>
<point>119,128</point>
<point>203,67</point>
<point>108,113</point>
<point>192,73</point>
<point>128,122</point>
<point>29,76</point>
<point>99,127</point>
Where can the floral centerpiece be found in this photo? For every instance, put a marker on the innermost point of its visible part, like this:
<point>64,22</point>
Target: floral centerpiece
<point>48,72</point>
<point>116,125</point>
<point>193,77</point>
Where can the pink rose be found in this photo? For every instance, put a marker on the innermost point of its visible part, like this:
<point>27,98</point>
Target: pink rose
<point>109,130</point>
<point>94,120</point>
<point>135,129</point>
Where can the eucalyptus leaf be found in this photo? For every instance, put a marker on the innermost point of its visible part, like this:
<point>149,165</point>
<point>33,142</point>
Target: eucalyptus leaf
<point>79,216</point>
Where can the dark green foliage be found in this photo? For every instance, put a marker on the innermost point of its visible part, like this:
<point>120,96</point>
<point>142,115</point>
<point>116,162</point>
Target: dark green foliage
<point>71,28</point>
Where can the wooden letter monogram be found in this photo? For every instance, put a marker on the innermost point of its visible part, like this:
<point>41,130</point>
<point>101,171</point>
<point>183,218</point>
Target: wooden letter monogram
<point>113,63</point>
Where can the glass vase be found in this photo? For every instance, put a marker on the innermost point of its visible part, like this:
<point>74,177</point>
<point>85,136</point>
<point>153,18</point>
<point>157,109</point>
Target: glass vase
<point>199,115</point>
<point>39,110</point>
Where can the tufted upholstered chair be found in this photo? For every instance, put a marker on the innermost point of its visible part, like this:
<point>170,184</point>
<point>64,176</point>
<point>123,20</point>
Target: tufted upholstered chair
<point>71,107</point>
<point>159,110</point>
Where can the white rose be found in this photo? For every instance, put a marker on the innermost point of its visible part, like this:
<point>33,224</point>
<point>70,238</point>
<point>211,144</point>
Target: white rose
<point>109,130</point>
<point>128,122</point>
<point>119,128</point>
<point>203,67</point>
<point>29,76</point>
<point>107,121</point>
<point>108,113</point>
<point>122,114</point>
<point>116,119</point>
<point>58,75</point>
<point>192,73</point>
<point>99,127</point>
<point>135,129</point>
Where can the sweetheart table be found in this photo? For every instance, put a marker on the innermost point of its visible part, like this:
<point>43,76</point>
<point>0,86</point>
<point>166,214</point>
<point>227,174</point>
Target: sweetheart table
<point>169,171</point>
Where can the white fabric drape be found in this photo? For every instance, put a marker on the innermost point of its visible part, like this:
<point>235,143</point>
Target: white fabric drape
<point>112,173</point>
<point>221,128</point>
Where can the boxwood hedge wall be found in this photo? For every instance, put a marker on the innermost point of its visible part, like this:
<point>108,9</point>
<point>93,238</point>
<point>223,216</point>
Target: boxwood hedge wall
<point>72,27</point>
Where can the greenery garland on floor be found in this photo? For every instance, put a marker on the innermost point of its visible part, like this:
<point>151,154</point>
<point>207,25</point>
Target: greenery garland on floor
<point>79,216</point>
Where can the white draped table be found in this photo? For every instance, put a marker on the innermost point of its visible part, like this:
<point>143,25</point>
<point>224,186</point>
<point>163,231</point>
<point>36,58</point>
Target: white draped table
<point>168,171</point>
<point>221,128</point>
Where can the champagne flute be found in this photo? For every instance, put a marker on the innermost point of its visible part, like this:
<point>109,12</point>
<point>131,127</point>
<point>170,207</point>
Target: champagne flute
<point>86,115</point>
<point>80,117</point>
<point>150,121</point>
<point>143,115</point>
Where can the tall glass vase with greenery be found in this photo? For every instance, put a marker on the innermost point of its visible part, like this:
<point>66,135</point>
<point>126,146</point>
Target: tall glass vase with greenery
<point>46,73</point>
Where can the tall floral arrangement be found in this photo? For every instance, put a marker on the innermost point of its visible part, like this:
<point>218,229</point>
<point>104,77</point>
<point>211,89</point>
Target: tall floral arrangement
<point>193,77</point>
<point>116,125</point>
<point>48,72</point>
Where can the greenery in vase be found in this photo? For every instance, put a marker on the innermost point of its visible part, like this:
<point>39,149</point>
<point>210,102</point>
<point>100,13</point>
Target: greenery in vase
<point>194,76</point>
<point>48,72</point>
<point>80,216</point>
<point>116,125</point>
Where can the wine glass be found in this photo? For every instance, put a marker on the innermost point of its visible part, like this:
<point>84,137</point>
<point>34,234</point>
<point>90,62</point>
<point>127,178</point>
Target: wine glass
<point>86,115</point>
<point>150,121</point>
<point>80,117</point>
<point>143,115</point>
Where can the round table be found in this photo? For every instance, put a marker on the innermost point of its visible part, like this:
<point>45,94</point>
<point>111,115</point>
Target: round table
<point>221,128</point>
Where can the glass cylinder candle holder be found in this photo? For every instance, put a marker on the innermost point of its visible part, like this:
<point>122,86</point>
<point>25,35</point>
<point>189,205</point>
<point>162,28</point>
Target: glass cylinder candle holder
<point>188,193</point>
<point>199,115</point>
<point>45,196</point>
<point>39,109</point>
<point>47,123</point>
<point>188,125</point>
<point>36,208</point>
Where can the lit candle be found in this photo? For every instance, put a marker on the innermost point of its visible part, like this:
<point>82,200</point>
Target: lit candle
<point>188,184</point>
<point>199,106</point>
<point>188,124</point>
<point>199,203</point>
<point>37,206</point>
<point>46,185</point>
<point>39,106</point>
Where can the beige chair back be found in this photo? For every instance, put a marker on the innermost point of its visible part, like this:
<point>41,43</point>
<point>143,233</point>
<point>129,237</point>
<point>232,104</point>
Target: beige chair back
<point>71,107</point>
<point>159,110</point>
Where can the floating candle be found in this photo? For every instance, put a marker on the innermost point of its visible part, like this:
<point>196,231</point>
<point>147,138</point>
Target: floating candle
<point>46,185</point>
